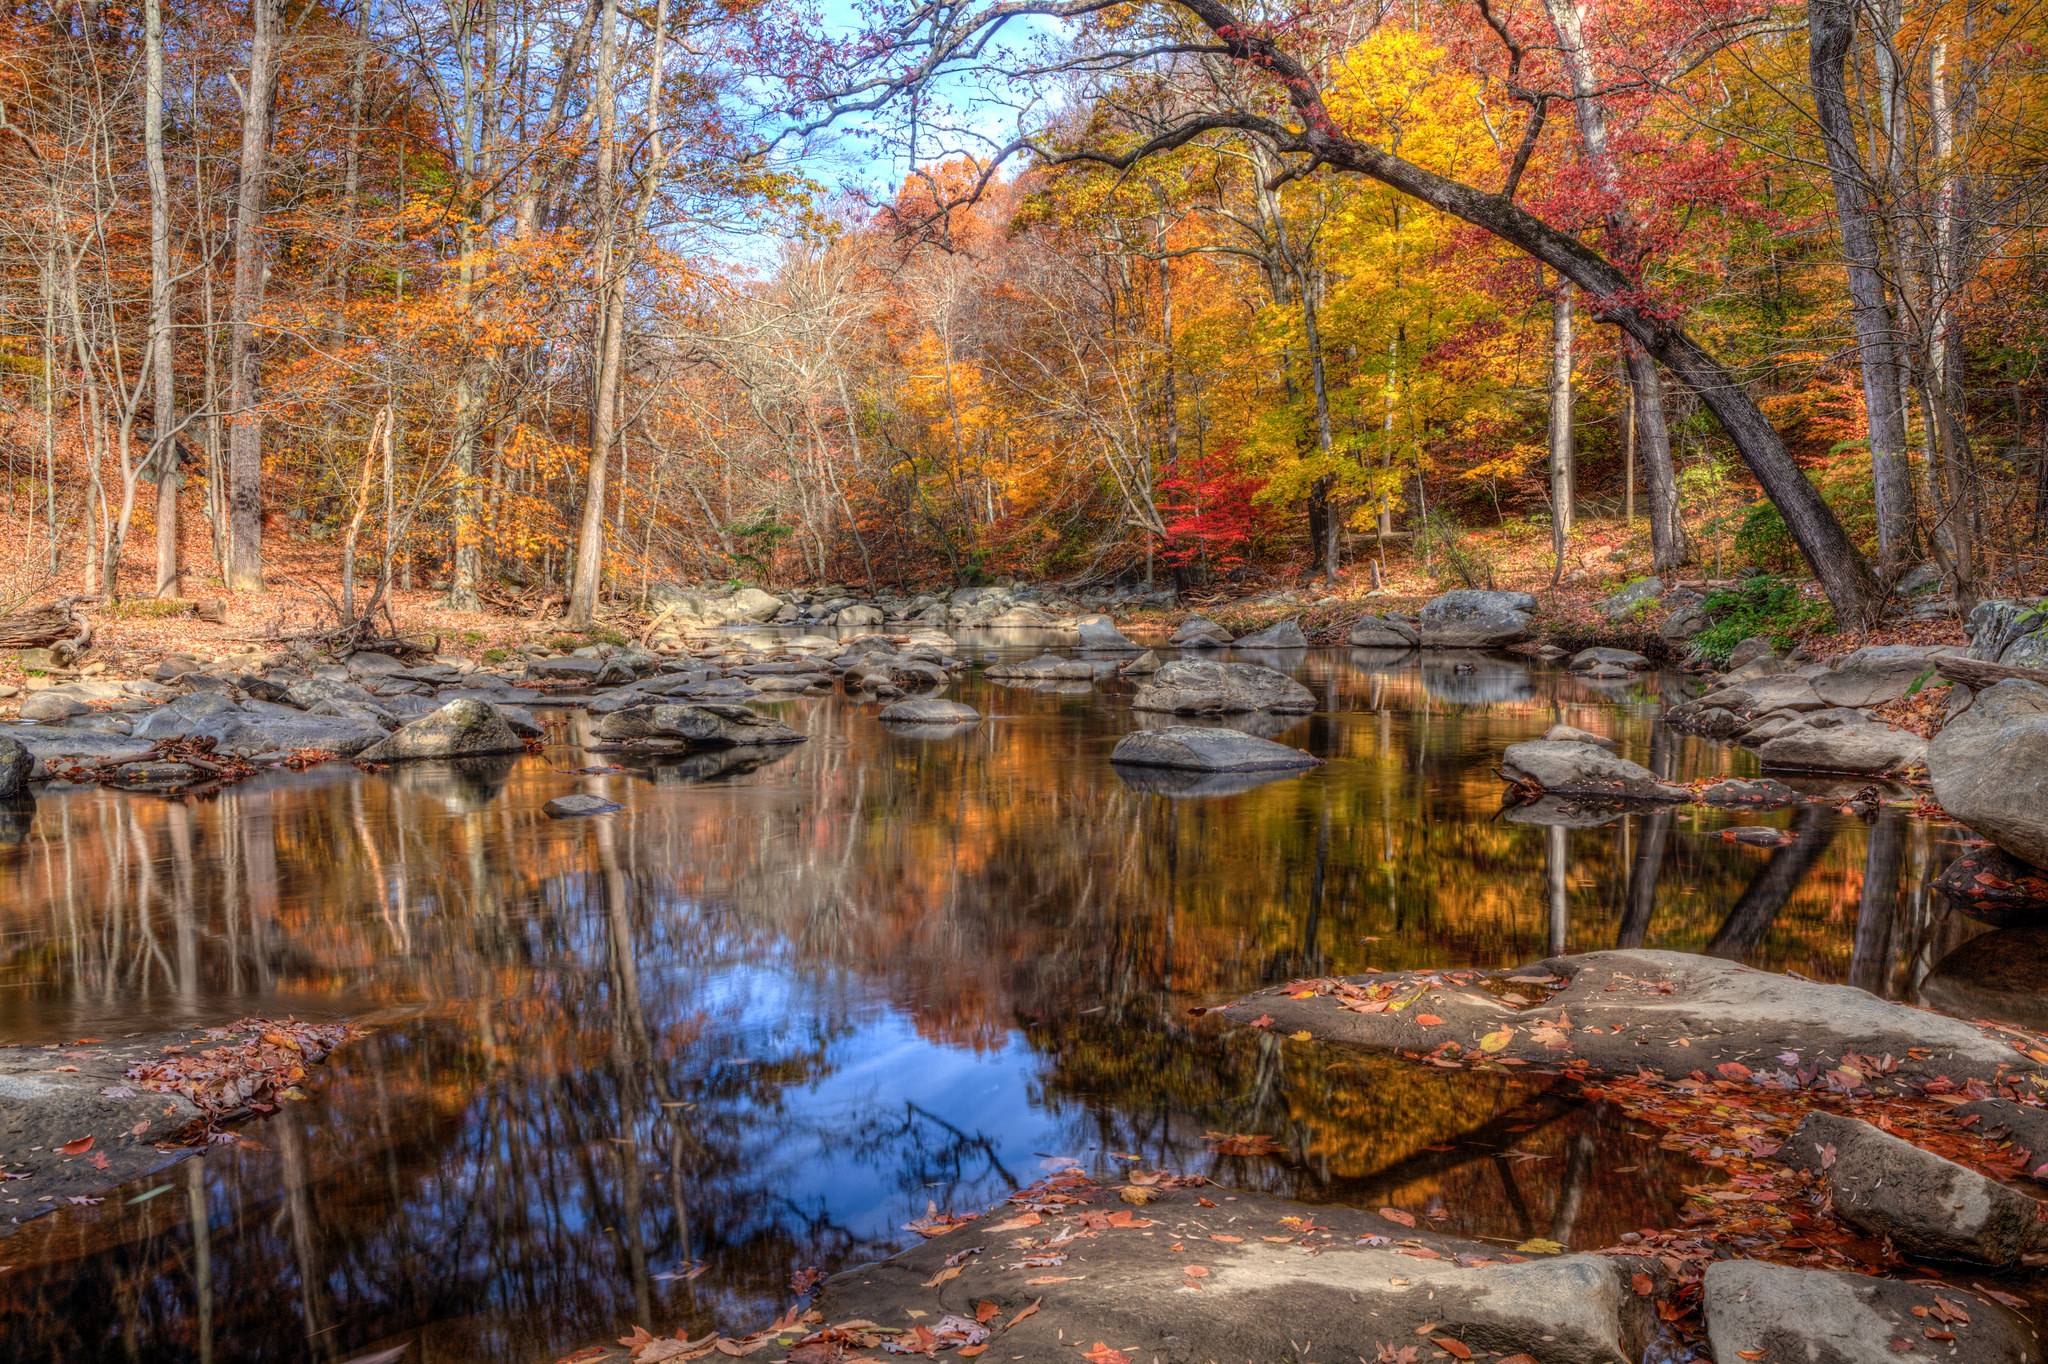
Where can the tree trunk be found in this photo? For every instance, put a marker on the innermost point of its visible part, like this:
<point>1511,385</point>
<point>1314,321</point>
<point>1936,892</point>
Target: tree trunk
<point>1561,452</point>
<point>1831,27</point>
<point>245,431</point>
<point>607,314</point>
<point>165,417</point>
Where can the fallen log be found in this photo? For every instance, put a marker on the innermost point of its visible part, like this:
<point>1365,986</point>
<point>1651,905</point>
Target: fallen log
<point>39,626</point>
<point>1982,672</point>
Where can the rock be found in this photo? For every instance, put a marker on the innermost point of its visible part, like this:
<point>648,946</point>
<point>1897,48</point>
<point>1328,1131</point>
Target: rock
<point>1569,734</point>
<point>1019,617</point>
<point>1284,634</point>
<point>1634,600</point>
<point>56,749</point>
<point>1098,634</point>
<point>1685,622</point>
<point>1749,651</point>
<point>1931,1207</point>
<point>704,725</point>
<point>1346,1279</point>
<point>160,778</point>
<point>16,766</point>
<point>1586,660</point>
<point>2022,1126</point>
<point>1201,687</point>
<point>1760,1311</point>
<point>1045,668</point>
<point>53,706</point>
<point>1199,632</point>
<point>1565,768</point>
<point>1144,665</point>
<point>569,807</point>
<point>754,605</point>
<point>1473,619</point>
<point>1920,581</point>
<point>1672,1013</point>
<point>1842,740</point>
<point>1757,793</point>
<point>929,710</point>
<point>1874,675</point>
<point>1381,632</point>
<point>2001,976</point>
<point>580,668</point>
<point>1996,888</point>
<point>1990,768</point>
<point>857,616</point>
<point>460,729</point>
<point>2009,632</point>
<point>1207,750</point>
<point>212,610</point>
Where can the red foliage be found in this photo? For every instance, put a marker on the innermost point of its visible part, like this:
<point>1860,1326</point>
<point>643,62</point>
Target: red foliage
<point>1206,507</point>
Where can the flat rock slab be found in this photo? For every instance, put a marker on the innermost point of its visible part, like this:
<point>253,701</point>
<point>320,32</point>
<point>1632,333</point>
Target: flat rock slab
<point>1202,687</point>
<point>569,807</point>
<point>1193,748</point>
<point>1565,767</point>
<point>1668,1013</point>
<point>1204,1274</point>
<point>929,710</point>
<point>73,1124</point>
<point>1931,1207</point>
<point>1759,1311</point>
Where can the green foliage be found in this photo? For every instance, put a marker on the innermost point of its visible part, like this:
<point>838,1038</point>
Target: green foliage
<point>1763,540</point>
<point>1764,606</point>
<point>1451,557</point>
<point>148,608</point>
<point>495,656</point>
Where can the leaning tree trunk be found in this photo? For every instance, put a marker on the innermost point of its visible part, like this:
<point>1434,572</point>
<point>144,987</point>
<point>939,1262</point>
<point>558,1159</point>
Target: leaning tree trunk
<point>245,429</point>
<point>1831,27</point>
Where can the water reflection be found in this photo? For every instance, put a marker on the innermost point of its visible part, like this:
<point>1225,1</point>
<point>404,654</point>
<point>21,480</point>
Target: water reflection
<point>644,1067</point>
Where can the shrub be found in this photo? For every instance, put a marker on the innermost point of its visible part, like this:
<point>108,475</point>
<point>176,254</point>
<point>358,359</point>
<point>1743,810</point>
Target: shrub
<point>1763,605</point>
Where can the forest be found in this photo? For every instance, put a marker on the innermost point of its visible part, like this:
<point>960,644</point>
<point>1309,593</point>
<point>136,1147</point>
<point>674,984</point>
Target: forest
<point>545,303</point>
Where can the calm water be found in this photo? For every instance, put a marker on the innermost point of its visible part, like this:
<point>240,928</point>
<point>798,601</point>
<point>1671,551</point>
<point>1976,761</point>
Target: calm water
<point>644,1068</point>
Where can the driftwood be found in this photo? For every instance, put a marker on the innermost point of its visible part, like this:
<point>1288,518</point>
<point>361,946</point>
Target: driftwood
<point>1982,672</point>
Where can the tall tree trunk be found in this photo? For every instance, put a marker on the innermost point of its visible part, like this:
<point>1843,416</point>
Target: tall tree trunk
<point>1650,436</point>
<point>607,313</point>
<point>1562,455</point>
<point>245,431</point>
<point>1831,29</point>
<point>1948,481</point>
<point>168,476</point>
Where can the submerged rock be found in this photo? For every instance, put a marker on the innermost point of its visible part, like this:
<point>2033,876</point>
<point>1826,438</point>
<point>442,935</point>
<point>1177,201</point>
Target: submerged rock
<point>1990,768</point>
<point>16,765</point>
<point>1207,750</point>
<point>708,724</point>
<point>569,807</point>
<point>929,710</point>
<point>1568,768</point>
<point>2002,976</point>
<point>1045,668</point>
<point>1202,687</point>
<point>1671,1013</point>
<point>1474,619</point>
<point>1750,793</point>
<point>460,729</point>
<point>1931,1207</point>
<point>1591,660</point>
<point>1098,634</point>
<point>1759,1311</point>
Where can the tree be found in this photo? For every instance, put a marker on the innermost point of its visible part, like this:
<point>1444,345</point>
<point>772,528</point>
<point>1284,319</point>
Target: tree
<point>245,302</point>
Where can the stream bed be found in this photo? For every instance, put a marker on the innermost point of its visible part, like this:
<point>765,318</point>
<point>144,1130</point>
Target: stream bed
<point>652,1067</point>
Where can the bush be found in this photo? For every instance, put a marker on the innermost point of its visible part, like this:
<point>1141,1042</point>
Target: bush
<point>1763,540</point>
<point>1763,605</point>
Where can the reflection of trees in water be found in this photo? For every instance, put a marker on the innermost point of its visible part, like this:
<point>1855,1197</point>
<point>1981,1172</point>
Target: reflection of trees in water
<point>626,1018</point>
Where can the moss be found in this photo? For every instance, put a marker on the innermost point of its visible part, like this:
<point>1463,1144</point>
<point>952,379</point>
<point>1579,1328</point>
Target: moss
<point>1761,606</point>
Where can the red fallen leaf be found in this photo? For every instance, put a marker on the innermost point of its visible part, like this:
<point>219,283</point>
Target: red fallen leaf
<point>1429,1020</point>
<point>1026,1310</point>
<point>1103,1354</point>
<point>987,1311</point>
<point>76,1148</point>
<point>1263,1021</point>
<point>1406,1219</point>
<point>1643,1284</point>
<point>1936,1333</point>
<point>1733,1070</point>
<point>1519,1359</point>
<point>100,1161</point>
<point>1452,1346</point>
<point>1196,1271</point>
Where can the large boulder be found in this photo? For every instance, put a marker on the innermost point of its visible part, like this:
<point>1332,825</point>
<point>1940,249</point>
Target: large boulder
<point>1098,634</point>
<point>1760,1311</point>
<point>1201,749</point>
<point>1842,740</point>
<point>16,765</point>
<point>1876,674</point>
<point>1382,632</point>
<point>1636,599</point>
<point>460,729</point>
<point>857,616</point>
<point>1284,634</point>
<point>1474,619</point>
<point>1199,632</point>
<point>1996,887</point>
<point>1202,687</point>
<point>704,725</point>
<point>1990,768</point>
<point>1931,1207</point>
<point>1564,767</point>
<point>2010,632</point>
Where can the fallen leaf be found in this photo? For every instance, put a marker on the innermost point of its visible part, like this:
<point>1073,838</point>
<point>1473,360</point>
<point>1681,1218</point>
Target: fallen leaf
<point>76,1148</point>
<point>1406,1219</point>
